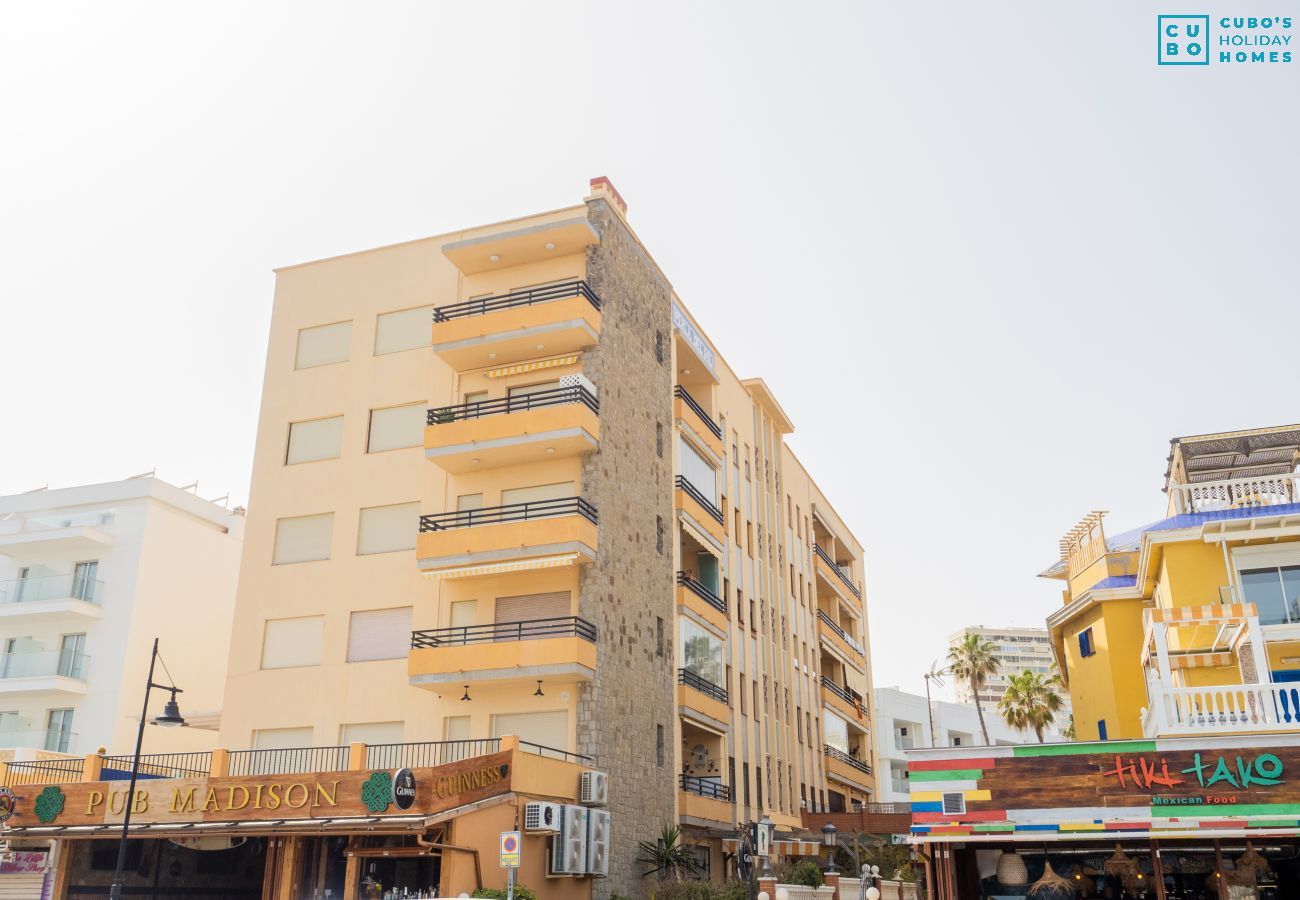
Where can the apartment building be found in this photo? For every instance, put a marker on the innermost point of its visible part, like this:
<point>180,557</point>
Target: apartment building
<point>505,485</point>
<point>1017,649</point>
<point>89,576</point>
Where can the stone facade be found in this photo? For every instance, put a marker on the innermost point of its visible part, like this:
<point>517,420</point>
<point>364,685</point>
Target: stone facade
<point>627,715</point>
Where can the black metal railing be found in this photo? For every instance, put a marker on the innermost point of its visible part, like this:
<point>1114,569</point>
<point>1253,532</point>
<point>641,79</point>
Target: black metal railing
<point>498,632</point>
<point>510,512</point>
<point>817,548</point>
<point>697,682</point>
<point>529,297</point>
<point>681,393</point>
<point>574,393</point>
<point>686,580</point>
<point>835,753</point>
<point>553,752</point>
<point>45,771</point>
<point>197,764</point>
<point>848,696</point>
<point>830,623</point>
<point>705,787</point>
<point>695,494</point>
<point>289,761</point>
<point>428,753</point>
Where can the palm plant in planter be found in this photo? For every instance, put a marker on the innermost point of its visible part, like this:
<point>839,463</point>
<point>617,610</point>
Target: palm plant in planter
<point>667,856</point>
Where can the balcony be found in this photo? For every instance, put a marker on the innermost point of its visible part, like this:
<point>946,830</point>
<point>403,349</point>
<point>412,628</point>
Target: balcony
<point>833,574</point>
<point>549,321</point>
<point>847,769</point>
<point>704,799</point>
<point>696,694</point>
<point>838,638</point>
<point>52,739</point>
<point>510,431</point>
<point>690,500</point>
<point>687,411</point>
<point>35,537</point>
<point>1259,491</point>
<point>1223,709</point>
<point>51,596</point>
<point>515,536</point>
<point>843,700</point>
<point>900,786</point>
<point>701,600</point>
<point>41,671</point>
<point>560,649</point>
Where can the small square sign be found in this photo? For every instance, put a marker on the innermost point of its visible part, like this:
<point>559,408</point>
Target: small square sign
<point>1183,40</point>
<point>509,849</point>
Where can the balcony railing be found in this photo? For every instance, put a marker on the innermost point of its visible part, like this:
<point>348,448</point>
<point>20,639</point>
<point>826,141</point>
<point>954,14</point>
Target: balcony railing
<point>830,623</point>
<point>554,753</point>
<point>695,494</point>
<point>698,589</point>
<point>1236,493</point>
<point>55,740</point>
<point>705,787</point>
<point>428,753</point>
<point>843,757</point>
<point>497,632</point>
<point>197,764</point>
<point>530,297</point>
<point>511,512</point>
<point>1221,709</point>
<point>51,587</point>
<point>42,663</point>
<point>46,771</point>
<point>850,697</point>
<point>289,760</point>
<point>575,393</point>
<point>697,682</point>
<point>714,428</point>
<point>826,557</point>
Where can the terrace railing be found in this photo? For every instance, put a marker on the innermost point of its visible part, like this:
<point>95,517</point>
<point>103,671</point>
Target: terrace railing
<point>698,496</point>
<point>289,761</point>
<point>478,409</point>
<point>826,557</point>
<point>497,632</point>
<point>697,682</point>
<point>1236,493</point>
<point>714,428</point>
<point>705,787</point>
<point>530,297</point>
<point>159,765</point>
<point>697,587</point>
<point>510,512</point>
<point>427,753</point>
<point>837,754</point>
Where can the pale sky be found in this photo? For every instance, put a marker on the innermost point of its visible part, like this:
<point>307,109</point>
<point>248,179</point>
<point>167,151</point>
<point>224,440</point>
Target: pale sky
<point>989,256</point>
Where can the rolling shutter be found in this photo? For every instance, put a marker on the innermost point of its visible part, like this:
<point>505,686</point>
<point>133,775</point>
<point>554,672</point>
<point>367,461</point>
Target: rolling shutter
<point>532,606</point>
<point>379,634</point>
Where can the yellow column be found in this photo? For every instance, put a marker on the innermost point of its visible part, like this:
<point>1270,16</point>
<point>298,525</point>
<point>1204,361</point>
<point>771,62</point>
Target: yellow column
<point>509,742</point>
<point>357,753</point>
<point>91,768</point>
<point>220,765</point>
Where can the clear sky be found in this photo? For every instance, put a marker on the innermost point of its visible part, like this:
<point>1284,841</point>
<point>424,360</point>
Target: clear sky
<point>989,255</point>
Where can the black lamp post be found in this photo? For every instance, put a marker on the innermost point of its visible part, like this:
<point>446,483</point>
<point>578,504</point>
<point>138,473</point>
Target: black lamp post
<point>170,718</point>
<point>828,838</point>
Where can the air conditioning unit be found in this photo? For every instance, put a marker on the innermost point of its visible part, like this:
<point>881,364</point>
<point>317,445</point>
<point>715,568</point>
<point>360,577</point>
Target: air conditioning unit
<point>598,842</point>
<point>593,790</point>
<point>578,380</point>
<point>543,817</point>
<point>569,847</point>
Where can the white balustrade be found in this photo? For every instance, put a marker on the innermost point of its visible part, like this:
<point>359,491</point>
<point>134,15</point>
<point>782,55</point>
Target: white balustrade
<point>1221,709</point>
<point>1236,493</point>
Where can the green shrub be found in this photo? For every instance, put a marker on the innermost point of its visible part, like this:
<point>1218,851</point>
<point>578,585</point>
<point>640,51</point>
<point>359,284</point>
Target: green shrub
<point>806,872</point>
<point>732,890</point>
<point>521,893</point>
<point>690,889</point>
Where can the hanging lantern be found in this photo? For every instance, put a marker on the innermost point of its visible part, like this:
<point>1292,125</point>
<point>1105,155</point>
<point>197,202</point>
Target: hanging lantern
<point>1252,860</point>
<point>1011,869</point>
<point>1120,864</point>
<point>1051,884</point>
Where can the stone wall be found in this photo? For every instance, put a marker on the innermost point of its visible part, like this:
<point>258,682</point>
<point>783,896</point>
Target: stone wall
<point>629,588</point>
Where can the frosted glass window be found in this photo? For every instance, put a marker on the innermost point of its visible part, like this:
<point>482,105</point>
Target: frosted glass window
<point>406,329</point>
<point>372,733</point>
<point>384,529</point>
<point>395,427</point>
<point>323,345</point>
<point>282,738</point>
<point>698,471</point>
<point>550,729</point>
<point>293,642</point>
<point>538,492</point>
<point>317,439</point>
<point>302,539</point>
<point>379,634</point>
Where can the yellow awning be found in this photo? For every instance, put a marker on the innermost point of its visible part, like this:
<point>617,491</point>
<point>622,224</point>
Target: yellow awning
<point>520,565</point>
<point>533,366</point>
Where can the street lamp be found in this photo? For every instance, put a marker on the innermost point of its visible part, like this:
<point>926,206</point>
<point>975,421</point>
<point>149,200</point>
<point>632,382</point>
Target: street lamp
<point>828,838</point>
<point>170,718</point>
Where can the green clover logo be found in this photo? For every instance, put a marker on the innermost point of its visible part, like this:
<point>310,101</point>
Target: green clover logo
<point>49,803</point>
<point>376,793</point>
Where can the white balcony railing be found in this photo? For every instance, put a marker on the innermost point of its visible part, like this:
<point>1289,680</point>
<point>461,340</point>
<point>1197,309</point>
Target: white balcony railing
<point>1236,493</point>
<point>1221,709</point>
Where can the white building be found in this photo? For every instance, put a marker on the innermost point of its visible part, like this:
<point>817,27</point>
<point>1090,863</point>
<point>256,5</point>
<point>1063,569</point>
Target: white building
<point>89,576</point>
<point>1017,649</point>
<point>903,723</point>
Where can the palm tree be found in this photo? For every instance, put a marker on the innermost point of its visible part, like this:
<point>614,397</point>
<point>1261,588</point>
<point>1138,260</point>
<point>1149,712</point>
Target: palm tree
<point>1031,701</point>
<point>668,855</point>
<point>974,660</point>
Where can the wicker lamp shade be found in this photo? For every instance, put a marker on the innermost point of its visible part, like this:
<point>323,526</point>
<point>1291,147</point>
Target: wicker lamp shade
<point>1011,869</point>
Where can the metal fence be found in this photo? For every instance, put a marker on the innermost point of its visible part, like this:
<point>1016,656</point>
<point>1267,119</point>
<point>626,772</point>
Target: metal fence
<point>159,765</point>
<point>289,761</point>
<point>45,771</point>
<point>428,753</point>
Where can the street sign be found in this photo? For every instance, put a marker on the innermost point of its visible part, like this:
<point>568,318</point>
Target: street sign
<point>510,842</point>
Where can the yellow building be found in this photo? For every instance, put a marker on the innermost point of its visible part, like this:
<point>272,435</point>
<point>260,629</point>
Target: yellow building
<point>505,485</point>
<point>1190,626</point>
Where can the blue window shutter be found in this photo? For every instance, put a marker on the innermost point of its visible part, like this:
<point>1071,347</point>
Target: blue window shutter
<point>1101,730</point>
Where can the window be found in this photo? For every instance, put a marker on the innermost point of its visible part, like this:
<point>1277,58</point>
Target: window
<point>314,440</point>
<point>954,803</point>
<point>58,730</point>
<point>384,529</point>
<point>550,729</point>
<point>464,613</point>
<point>372,733</point>
<point>292,642</point>
<point>531,607</point>
<point>72,656</point>
<point>837,732</point>
<point>84,580</point>
<point>523,390</point>
<point>302,539</point>
<point>660,749</point>
<point>701,652</point>
<point>395,427</point>
<point>282,738</point>
<point>467,502</point>
<point>1275,591</point>
<point>325,344</point>
<point>1101,730</point>
<point>659,635</point>
<point>659,346</point>
<point>956,742</point>
<point>379,634</point>
<point>536,493</point>
<point>698,471</point>
<point>1085,643</point>
<point>659,439</point>
<point>455,728</point>
<point>406,329</point>
<point>659,533</point>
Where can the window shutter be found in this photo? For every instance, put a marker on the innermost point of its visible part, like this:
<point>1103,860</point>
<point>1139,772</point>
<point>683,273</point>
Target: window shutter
<point>395,427</point>
<point>325,344</point>
<point>372,733</point>
<point>293,642</point>
<point>302,539</point>
<point>282,738</point>
<point>379,634</point>
<point>532,606</point>
<point>538,492</point>
<point>404,330</point>
<point>698,471</point>
<point>550,729</point>
<point>383,529</point>
<point>317,439</point>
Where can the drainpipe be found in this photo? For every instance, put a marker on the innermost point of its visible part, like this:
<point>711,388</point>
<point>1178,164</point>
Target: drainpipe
<point>438,845</point>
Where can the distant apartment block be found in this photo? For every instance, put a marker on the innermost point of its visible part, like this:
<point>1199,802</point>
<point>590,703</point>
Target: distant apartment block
<point>1017,649</point>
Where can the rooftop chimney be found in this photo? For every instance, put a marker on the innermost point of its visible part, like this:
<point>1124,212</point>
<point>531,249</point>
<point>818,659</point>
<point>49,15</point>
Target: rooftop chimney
<point>604,188</point>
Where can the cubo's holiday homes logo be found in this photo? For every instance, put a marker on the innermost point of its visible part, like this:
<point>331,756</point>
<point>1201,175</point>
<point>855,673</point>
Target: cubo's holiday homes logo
<point>1186,40</point>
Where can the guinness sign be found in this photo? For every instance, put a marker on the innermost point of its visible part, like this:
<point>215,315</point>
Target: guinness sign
<point>404,789</point>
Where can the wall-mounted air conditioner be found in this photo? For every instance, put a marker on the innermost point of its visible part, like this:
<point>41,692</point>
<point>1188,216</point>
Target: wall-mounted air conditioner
<point>569,847</point>
<point>593,790</point>
<point>542,817</point>
<point>598,842</point>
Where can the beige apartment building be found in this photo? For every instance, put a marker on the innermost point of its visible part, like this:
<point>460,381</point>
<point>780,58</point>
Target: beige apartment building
<point>505,485</point>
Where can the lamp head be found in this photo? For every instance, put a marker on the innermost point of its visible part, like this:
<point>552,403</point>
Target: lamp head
<point>171,715</point>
